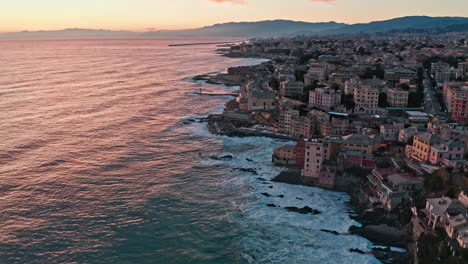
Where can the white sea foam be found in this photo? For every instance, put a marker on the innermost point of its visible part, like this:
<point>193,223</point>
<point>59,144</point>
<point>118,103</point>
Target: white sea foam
<point>276,235</point>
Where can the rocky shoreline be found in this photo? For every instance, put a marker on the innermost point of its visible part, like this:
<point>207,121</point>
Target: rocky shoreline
<point>383,231</point>
<point>379,227</point>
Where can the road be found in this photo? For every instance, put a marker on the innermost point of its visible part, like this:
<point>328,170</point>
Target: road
<point>431,102</point>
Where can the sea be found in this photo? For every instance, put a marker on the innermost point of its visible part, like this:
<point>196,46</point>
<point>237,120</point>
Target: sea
<point>101,162</point>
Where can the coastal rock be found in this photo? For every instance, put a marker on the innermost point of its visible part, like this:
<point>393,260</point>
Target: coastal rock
<point>304,210</point>
<point>251,170</point>
<point>381,234</point>
<point>357,250</point>
<point>329,231</point>
<point>224,157</point>
<point>203,77</point>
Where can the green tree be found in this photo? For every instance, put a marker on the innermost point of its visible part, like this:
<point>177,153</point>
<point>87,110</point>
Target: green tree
<point>274,84</point>
<point>382,100</point>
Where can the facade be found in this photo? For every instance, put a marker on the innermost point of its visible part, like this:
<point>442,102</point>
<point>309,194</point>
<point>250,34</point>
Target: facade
<point>405,135</point>
<point>291,87</point>
<point>253,98</point>
<point>422,144</point>
<point>366,99</point>
<point>316,151</point>
<point>439,66</point>
<point>395,75</point>
<point>397,189</point>
<point>328,174</point>
<point>324,98</point>
<point>319,71</point>
<point>288,121</point>
<point>449,153</point>
<point>285,155</point>
<point>456,99</point>
<point>388,132</point>
<point>397,97</point>
<point>360,143</point>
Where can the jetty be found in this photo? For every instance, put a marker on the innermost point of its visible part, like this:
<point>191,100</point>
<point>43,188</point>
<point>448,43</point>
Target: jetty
<point>217,93</point>
<point>201,43</point>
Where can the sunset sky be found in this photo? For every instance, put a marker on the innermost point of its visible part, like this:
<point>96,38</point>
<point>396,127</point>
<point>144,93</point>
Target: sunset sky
<point>141,15</point>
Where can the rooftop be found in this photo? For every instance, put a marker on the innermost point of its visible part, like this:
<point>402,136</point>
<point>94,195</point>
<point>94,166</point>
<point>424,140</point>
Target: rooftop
<point>287,147</point>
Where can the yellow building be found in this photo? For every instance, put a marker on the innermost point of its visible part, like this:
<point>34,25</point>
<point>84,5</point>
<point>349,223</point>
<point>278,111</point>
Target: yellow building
<point>422,144</point>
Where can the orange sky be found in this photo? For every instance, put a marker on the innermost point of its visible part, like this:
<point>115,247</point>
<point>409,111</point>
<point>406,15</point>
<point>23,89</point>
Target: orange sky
<point>143,15</point>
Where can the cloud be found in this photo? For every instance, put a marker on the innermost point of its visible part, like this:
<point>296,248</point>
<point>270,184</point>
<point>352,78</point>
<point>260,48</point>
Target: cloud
<point>245,1</point>
<point>230,1</point>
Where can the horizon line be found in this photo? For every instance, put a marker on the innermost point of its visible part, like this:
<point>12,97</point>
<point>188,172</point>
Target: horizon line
<point>220,23</point>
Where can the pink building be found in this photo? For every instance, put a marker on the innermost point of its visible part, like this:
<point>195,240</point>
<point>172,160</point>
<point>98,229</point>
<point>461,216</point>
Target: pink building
<point>354,159</point>
<point>456,99</point>
<point>397,97</point>
<point>340,126</point>
<point>366,99</point>
<point>316,151</point>
<point>328,174</point>
<point>300,153</point>
<point>448,153</point>
<point>325,98</point>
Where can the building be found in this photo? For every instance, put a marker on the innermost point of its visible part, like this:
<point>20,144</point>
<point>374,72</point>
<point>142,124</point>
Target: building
<point>436,209</point>
<point>463,66</point>
<point>439,66</point>
<point>395,75</point>
<point>361,143</point>
<point>288,121</point>
<point>449,153</point>
<point>317,150</point>
<point>291,87</point>
<point>349,159</point>
<point>300,153</point>
<point>254,98</point>
<point>340,78</point>
<point>327,174</point>
<point>367,100</point>
<point>405,135</point>
<point>396,189</point>
<point>417,117</point>
<point>397,97</point>
<point>324,98</point>
<point>388,132</point>
<point>422,144</point>
<point>284,155</point>
<point>456,99</point>
<point>318,71</point>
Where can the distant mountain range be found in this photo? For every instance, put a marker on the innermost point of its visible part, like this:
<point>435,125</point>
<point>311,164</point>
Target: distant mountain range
<point>271,28</point>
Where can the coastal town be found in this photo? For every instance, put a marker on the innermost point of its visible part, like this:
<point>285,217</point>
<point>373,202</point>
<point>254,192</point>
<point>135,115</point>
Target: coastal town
<point>383,117</point>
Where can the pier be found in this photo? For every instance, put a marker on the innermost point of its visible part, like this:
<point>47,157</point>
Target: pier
<point>200,43</point>
<point>217,93</point>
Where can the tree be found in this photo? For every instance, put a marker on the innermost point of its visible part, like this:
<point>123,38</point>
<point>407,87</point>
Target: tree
<point>382,100</point>
<point>434,182</point>
<point>274,84</point>
<point>405,86</point>
<point>348,101</point>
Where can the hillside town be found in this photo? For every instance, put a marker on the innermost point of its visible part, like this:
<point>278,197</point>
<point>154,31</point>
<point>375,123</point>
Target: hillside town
<point>383,117</point>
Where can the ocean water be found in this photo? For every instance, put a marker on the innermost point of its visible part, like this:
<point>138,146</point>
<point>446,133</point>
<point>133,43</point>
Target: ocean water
<point>98,166</point>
